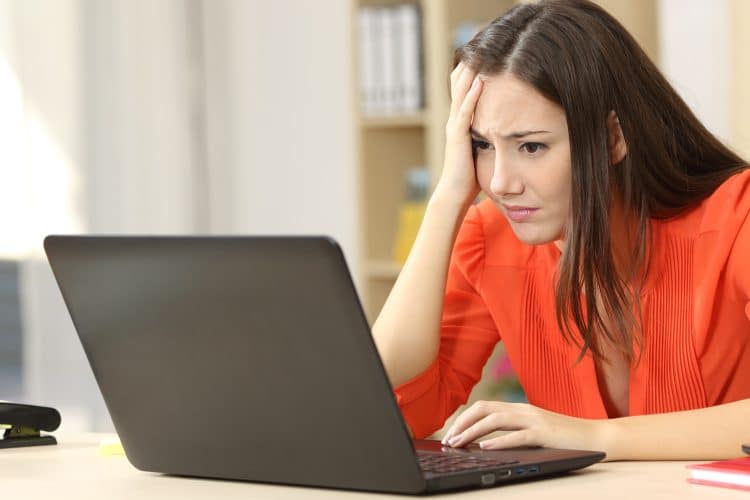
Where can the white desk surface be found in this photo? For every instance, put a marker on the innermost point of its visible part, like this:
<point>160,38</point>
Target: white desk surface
<point>74,470</point>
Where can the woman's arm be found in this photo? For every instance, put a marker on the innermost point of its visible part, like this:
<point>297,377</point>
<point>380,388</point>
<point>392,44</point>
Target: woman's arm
<point>407,330</point>
<point>716,432</point>
<point>710,433</point>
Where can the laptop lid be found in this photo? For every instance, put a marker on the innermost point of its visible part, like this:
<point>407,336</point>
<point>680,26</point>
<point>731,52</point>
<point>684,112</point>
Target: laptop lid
<point>236,357</point>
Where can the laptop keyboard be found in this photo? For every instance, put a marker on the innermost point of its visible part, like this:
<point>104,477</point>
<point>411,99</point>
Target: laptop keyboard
<point>441,464</point>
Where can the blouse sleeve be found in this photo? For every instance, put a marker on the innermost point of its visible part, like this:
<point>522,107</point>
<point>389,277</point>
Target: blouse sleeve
<point>738,266</point>
<point>467,337</point>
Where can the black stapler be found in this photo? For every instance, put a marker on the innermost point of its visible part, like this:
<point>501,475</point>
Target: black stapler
<point>26,423</point>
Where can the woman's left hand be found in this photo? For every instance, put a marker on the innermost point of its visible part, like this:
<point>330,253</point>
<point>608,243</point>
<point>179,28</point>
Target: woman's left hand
<point>530,426</point>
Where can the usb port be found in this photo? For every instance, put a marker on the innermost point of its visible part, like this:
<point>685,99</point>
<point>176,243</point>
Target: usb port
<point>533,468</point>
<point>520,471</point>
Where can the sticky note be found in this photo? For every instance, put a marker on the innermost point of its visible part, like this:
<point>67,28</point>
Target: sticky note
<point>110,447</point>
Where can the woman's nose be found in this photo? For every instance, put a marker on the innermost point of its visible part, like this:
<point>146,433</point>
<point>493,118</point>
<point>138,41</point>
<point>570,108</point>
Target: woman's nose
<point>504,181</point>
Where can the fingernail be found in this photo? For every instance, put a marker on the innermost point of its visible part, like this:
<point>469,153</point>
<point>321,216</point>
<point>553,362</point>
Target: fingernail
<point>482,444</point>
<point>455,439</point>
<point>475,82</point>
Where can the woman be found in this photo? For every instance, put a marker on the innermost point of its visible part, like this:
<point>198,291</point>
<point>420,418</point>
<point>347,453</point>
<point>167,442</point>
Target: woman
<point>609,256</point>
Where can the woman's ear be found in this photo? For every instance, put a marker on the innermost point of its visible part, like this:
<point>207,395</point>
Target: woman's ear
<point>615,140</point>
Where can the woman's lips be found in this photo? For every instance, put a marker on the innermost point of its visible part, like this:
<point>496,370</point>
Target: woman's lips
<point>519,214</point>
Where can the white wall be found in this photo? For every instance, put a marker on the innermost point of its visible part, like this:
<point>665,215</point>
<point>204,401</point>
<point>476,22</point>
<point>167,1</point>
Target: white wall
<point>695,56</point>
<point>739,14</point>
<point>280,126</point>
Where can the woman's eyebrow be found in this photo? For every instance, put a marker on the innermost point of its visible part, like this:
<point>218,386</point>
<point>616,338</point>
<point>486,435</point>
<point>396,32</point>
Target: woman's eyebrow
<point>513,135</point>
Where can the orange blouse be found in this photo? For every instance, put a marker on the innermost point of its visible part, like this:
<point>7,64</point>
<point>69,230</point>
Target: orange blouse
<point>695,305</point>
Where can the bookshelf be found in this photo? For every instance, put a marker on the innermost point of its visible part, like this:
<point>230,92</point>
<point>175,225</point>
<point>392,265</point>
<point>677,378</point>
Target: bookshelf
<point>388,145</point>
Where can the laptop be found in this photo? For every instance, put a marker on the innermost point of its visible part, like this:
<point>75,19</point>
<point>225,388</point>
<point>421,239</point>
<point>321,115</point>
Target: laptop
<point>250,358</point>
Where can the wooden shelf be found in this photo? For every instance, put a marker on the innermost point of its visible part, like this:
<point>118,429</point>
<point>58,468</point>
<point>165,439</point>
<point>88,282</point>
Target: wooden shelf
<point>401,120</point>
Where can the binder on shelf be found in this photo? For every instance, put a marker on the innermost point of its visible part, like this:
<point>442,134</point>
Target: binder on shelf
<point>389,48</point>
<point>390,59</point>
<point>366,61</point>
<point>411,57</point>
<point>378,59</point>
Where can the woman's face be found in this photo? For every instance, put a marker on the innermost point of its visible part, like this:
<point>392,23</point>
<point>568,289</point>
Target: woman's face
<point>523,157</point>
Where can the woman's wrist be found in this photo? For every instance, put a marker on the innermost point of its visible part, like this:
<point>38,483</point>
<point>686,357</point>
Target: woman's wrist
<point>447,197</point>
<point>606,432</point>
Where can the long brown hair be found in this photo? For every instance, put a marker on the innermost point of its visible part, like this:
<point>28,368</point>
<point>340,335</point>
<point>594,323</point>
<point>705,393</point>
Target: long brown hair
<point>577,55</point>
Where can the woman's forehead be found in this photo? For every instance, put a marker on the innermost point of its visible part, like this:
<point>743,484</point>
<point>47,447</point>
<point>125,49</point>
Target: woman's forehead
<point>509,105</point>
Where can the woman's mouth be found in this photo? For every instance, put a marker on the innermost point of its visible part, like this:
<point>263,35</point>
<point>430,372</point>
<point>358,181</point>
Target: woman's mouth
<point>519,214</point>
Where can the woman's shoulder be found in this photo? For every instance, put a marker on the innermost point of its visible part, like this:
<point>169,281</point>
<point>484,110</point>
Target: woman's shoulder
<point>731,200</point>
<point>722,211</point>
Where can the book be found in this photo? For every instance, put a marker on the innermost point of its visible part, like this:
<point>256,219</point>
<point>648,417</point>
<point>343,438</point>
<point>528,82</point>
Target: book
<point>734,473</point>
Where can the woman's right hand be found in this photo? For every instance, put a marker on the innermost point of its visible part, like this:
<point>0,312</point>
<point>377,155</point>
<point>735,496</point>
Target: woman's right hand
<point>458,179</point>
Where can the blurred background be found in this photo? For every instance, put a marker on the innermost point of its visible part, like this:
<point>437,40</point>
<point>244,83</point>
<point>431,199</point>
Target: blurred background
<point>258,117</point>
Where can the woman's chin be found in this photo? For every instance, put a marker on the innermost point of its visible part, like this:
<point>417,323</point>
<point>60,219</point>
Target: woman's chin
<point>534,235</point>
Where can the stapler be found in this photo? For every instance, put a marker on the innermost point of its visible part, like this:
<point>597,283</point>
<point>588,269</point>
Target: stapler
<point>23,425</point>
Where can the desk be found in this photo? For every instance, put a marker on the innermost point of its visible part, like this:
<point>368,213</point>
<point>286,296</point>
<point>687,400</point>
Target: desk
<point>74,470</point>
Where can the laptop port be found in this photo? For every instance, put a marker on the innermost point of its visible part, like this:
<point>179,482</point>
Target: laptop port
<point>520,471</point>
<point>533,469</point>
<point>490,478</point>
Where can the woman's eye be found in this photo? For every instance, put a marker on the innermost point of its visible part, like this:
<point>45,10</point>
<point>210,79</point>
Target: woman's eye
<point>532,147</point>
<point>475,144</point>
